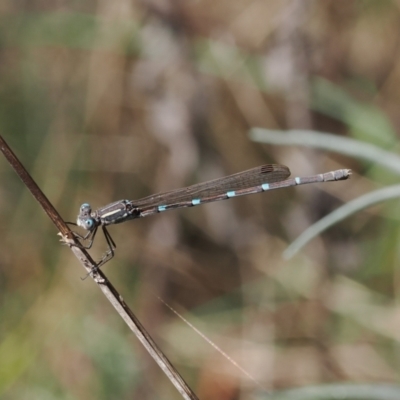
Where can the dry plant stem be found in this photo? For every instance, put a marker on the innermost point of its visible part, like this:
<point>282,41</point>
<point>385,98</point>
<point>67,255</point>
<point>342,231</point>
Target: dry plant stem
<point>106,287</point>
<point>134,324</point>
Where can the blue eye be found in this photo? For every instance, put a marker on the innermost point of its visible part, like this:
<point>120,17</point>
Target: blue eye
<point>85,207</point>
<point>89,223</point>
<point>86,223</point>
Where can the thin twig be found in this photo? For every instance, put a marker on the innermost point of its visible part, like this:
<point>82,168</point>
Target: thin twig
<point>106,287</point>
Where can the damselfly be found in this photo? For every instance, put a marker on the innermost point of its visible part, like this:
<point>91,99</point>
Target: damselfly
<point>255,180</point>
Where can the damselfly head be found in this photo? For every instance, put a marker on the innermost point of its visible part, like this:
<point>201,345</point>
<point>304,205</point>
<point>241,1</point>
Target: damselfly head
<point>84,219</point>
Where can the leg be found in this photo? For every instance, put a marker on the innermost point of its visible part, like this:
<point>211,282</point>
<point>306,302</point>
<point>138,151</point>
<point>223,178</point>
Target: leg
<point>111,246</point>
<point>90,235</point>
<point>108,255</point>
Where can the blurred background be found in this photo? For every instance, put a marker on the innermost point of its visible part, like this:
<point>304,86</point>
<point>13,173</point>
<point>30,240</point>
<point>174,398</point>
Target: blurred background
<point>115,100</point>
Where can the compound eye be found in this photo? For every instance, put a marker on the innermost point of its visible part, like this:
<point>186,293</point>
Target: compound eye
<point>88,224</point>
<point>85,208</point>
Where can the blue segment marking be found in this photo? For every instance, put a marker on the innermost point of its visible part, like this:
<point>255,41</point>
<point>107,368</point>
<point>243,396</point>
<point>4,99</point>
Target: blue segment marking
<point>265,186</point>
<point>231,194</point>
<point>161,208</point>
<point>196,202</point>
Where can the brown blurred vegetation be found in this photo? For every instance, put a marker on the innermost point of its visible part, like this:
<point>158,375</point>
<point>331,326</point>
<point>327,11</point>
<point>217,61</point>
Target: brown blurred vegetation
<point>110,100</point>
